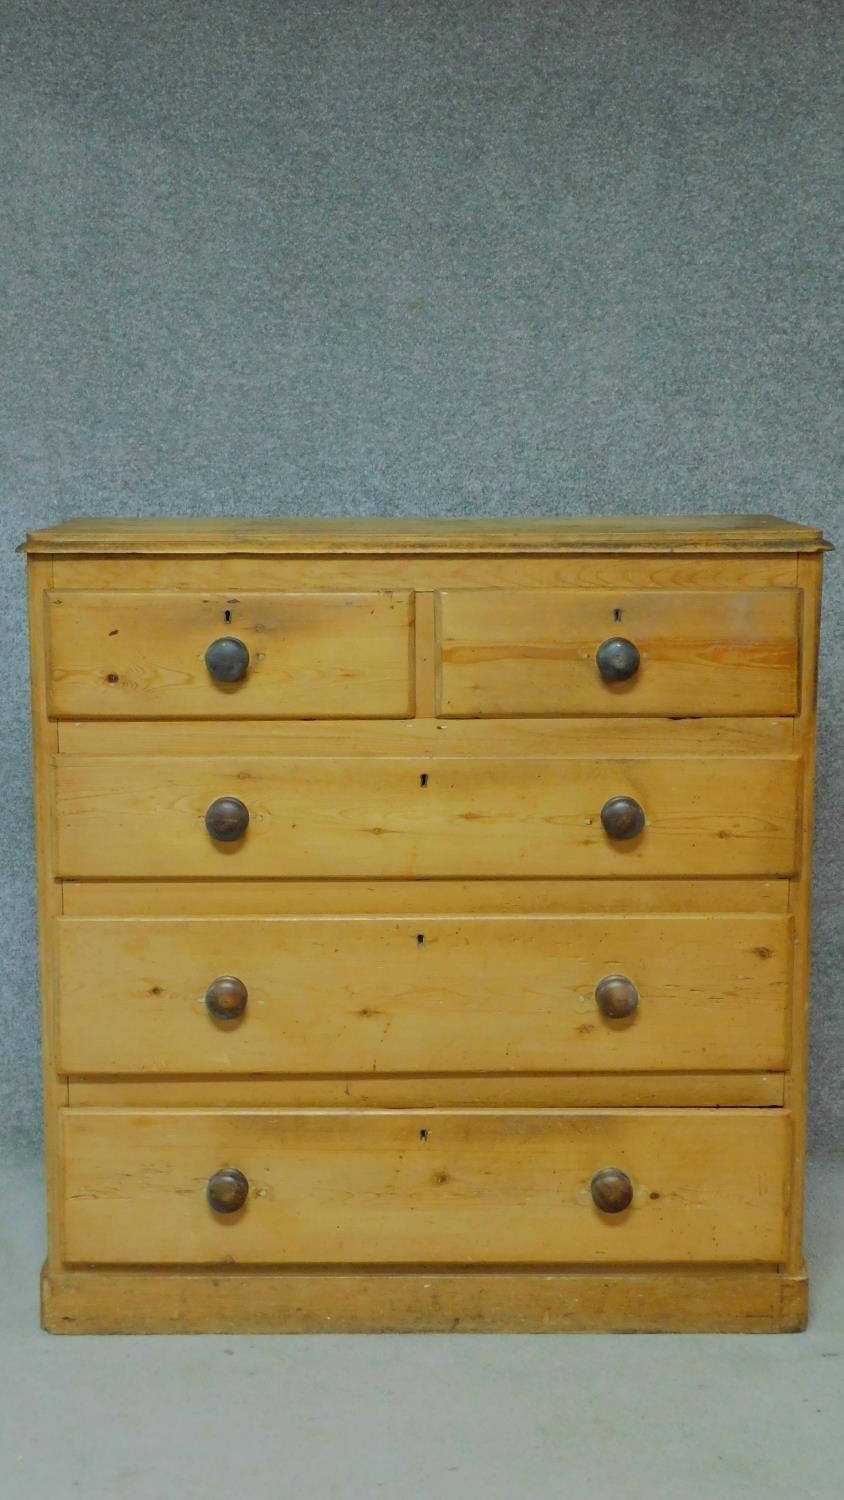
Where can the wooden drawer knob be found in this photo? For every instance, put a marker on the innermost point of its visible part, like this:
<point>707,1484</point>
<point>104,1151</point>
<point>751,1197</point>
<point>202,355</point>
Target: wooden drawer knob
<point>618,660</point>
<point>612,1190</point>
<point>227,1190</point>
<point>227,819</point>
<point>226,998</point>
<point>227,659</point>
<point>622,818</point>
<point>616,997</point>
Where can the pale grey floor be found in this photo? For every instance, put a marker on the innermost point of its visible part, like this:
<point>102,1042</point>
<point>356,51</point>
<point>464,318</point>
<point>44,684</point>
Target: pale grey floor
<point>450,1418</point>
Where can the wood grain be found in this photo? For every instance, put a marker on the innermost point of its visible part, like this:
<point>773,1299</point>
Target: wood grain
<point>427,572</point>
<point>427,1091</point>
<point>426,659</point>
<point>427,1114</point>
<point>142,655</point>
<point>462,1187</point>
<point>484,738</point>
<point>532,651</point>
<point>800,900</point>
<point>144,817</point>
<point>438,995</point>
<point>384,536</point>
<point>141,898</point>
<point>619,1301</point>
<point>49,894</point>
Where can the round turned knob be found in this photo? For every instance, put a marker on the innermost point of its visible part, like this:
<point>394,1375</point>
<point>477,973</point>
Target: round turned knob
<point>622,818</point>
<point>617,997</point>
<point>227,659</point>
<point>612,1190</point>
<point>226,998</point>
<point>227,819</point>
<point>617,660</point>
<point>227,1190</point>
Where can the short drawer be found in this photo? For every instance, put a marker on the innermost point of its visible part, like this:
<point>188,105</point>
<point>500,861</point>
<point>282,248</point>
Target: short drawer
<point>539,652</point>
<point>453,1187</point>
<point>149,655</point>
<point>386,995</point>
<point>145,817</point>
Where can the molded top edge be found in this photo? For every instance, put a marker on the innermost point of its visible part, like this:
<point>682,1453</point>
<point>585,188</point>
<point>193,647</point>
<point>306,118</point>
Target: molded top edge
<point>325,536</point>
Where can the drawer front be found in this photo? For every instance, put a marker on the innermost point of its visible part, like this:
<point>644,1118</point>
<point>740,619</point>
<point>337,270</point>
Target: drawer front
<point>425,994</point>
<point>535,652</point>
<point>144,817</point>
<point>143,655</point>
<point>461,1187</point>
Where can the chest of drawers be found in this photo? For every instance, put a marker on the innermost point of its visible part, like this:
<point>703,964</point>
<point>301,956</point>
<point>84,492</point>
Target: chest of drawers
<point>424,922</point>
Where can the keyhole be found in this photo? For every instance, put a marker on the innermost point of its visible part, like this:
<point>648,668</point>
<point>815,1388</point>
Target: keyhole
<point>423,1135</point>
<point>616,614</point>
<point>420,939</point>
<point>228,617</point>
<point>423,779</point>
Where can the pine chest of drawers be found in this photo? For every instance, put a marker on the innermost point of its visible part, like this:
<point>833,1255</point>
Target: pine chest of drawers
<point>425,922</point>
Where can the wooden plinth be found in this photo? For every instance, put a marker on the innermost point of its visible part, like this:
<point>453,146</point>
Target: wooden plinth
<point>702,1301</point>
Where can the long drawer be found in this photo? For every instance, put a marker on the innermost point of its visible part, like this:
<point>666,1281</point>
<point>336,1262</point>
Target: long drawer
<point>120,654</point>
<point>145,817</point>
<point>539,651</point>
<point>356,995</point>
<point>459,1187</point>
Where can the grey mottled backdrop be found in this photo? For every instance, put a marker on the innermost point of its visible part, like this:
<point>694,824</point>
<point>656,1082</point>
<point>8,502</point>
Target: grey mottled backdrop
<point>444,257</point>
